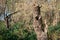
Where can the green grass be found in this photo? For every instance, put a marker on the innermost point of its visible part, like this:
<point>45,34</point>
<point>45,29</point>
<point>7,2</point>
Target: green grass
<point>16,32</point>
<point>54,32</point>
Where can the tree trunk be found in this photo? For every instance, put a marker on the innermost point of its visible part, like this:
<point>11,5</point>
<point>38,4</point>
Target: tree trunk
<point>38,24</point>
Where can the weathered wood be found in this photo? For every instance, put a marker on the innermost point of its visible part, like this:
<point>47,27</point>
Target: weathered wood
<point>38,24</point>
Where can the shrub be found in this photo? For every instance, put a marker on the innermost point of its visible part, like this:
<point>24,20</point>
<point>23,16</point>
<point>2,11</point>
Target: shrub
<point>54,32</point>
<point>16,32</point>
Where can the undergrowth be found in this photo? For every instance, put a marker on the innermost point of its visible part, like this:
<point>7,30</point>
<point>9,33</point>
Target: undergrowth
<point>17,32</point>
<point>54,32</point>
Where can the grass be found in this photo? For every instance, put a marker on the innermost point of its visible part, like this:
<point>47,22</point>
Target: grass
<point>54,32</point>
<point>17,32</point>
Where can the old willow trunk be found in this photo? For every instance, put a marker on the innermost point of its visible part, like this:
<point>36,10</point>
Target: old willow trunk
<point>38,24</point>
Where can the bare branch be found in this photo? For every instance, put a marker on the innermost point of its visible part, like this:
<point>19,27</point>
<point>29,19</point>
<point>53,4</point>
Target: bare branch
<point>14,13</point>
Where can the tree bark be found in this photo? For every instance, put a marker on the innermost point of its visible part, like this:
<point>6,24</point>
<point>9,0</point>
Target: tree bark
<point>38,24</point>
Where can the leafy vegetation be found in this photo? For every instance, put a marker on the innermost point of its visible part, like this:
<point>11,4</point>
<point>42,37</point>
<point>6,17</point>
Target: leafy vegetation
<point>16,32</point>
<point>54,32</point>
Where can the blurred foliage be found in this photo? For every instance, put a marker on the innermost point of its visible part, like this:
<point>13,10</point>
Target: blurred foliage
<point>54,32</point>
<point>2,25</point>
<point>16,32</point>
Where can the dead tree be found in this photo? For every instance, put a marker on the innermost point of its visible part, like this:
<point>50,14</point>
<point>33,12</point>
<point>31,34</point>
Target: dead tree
<point>38,23</point>
<point>8,18</point>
